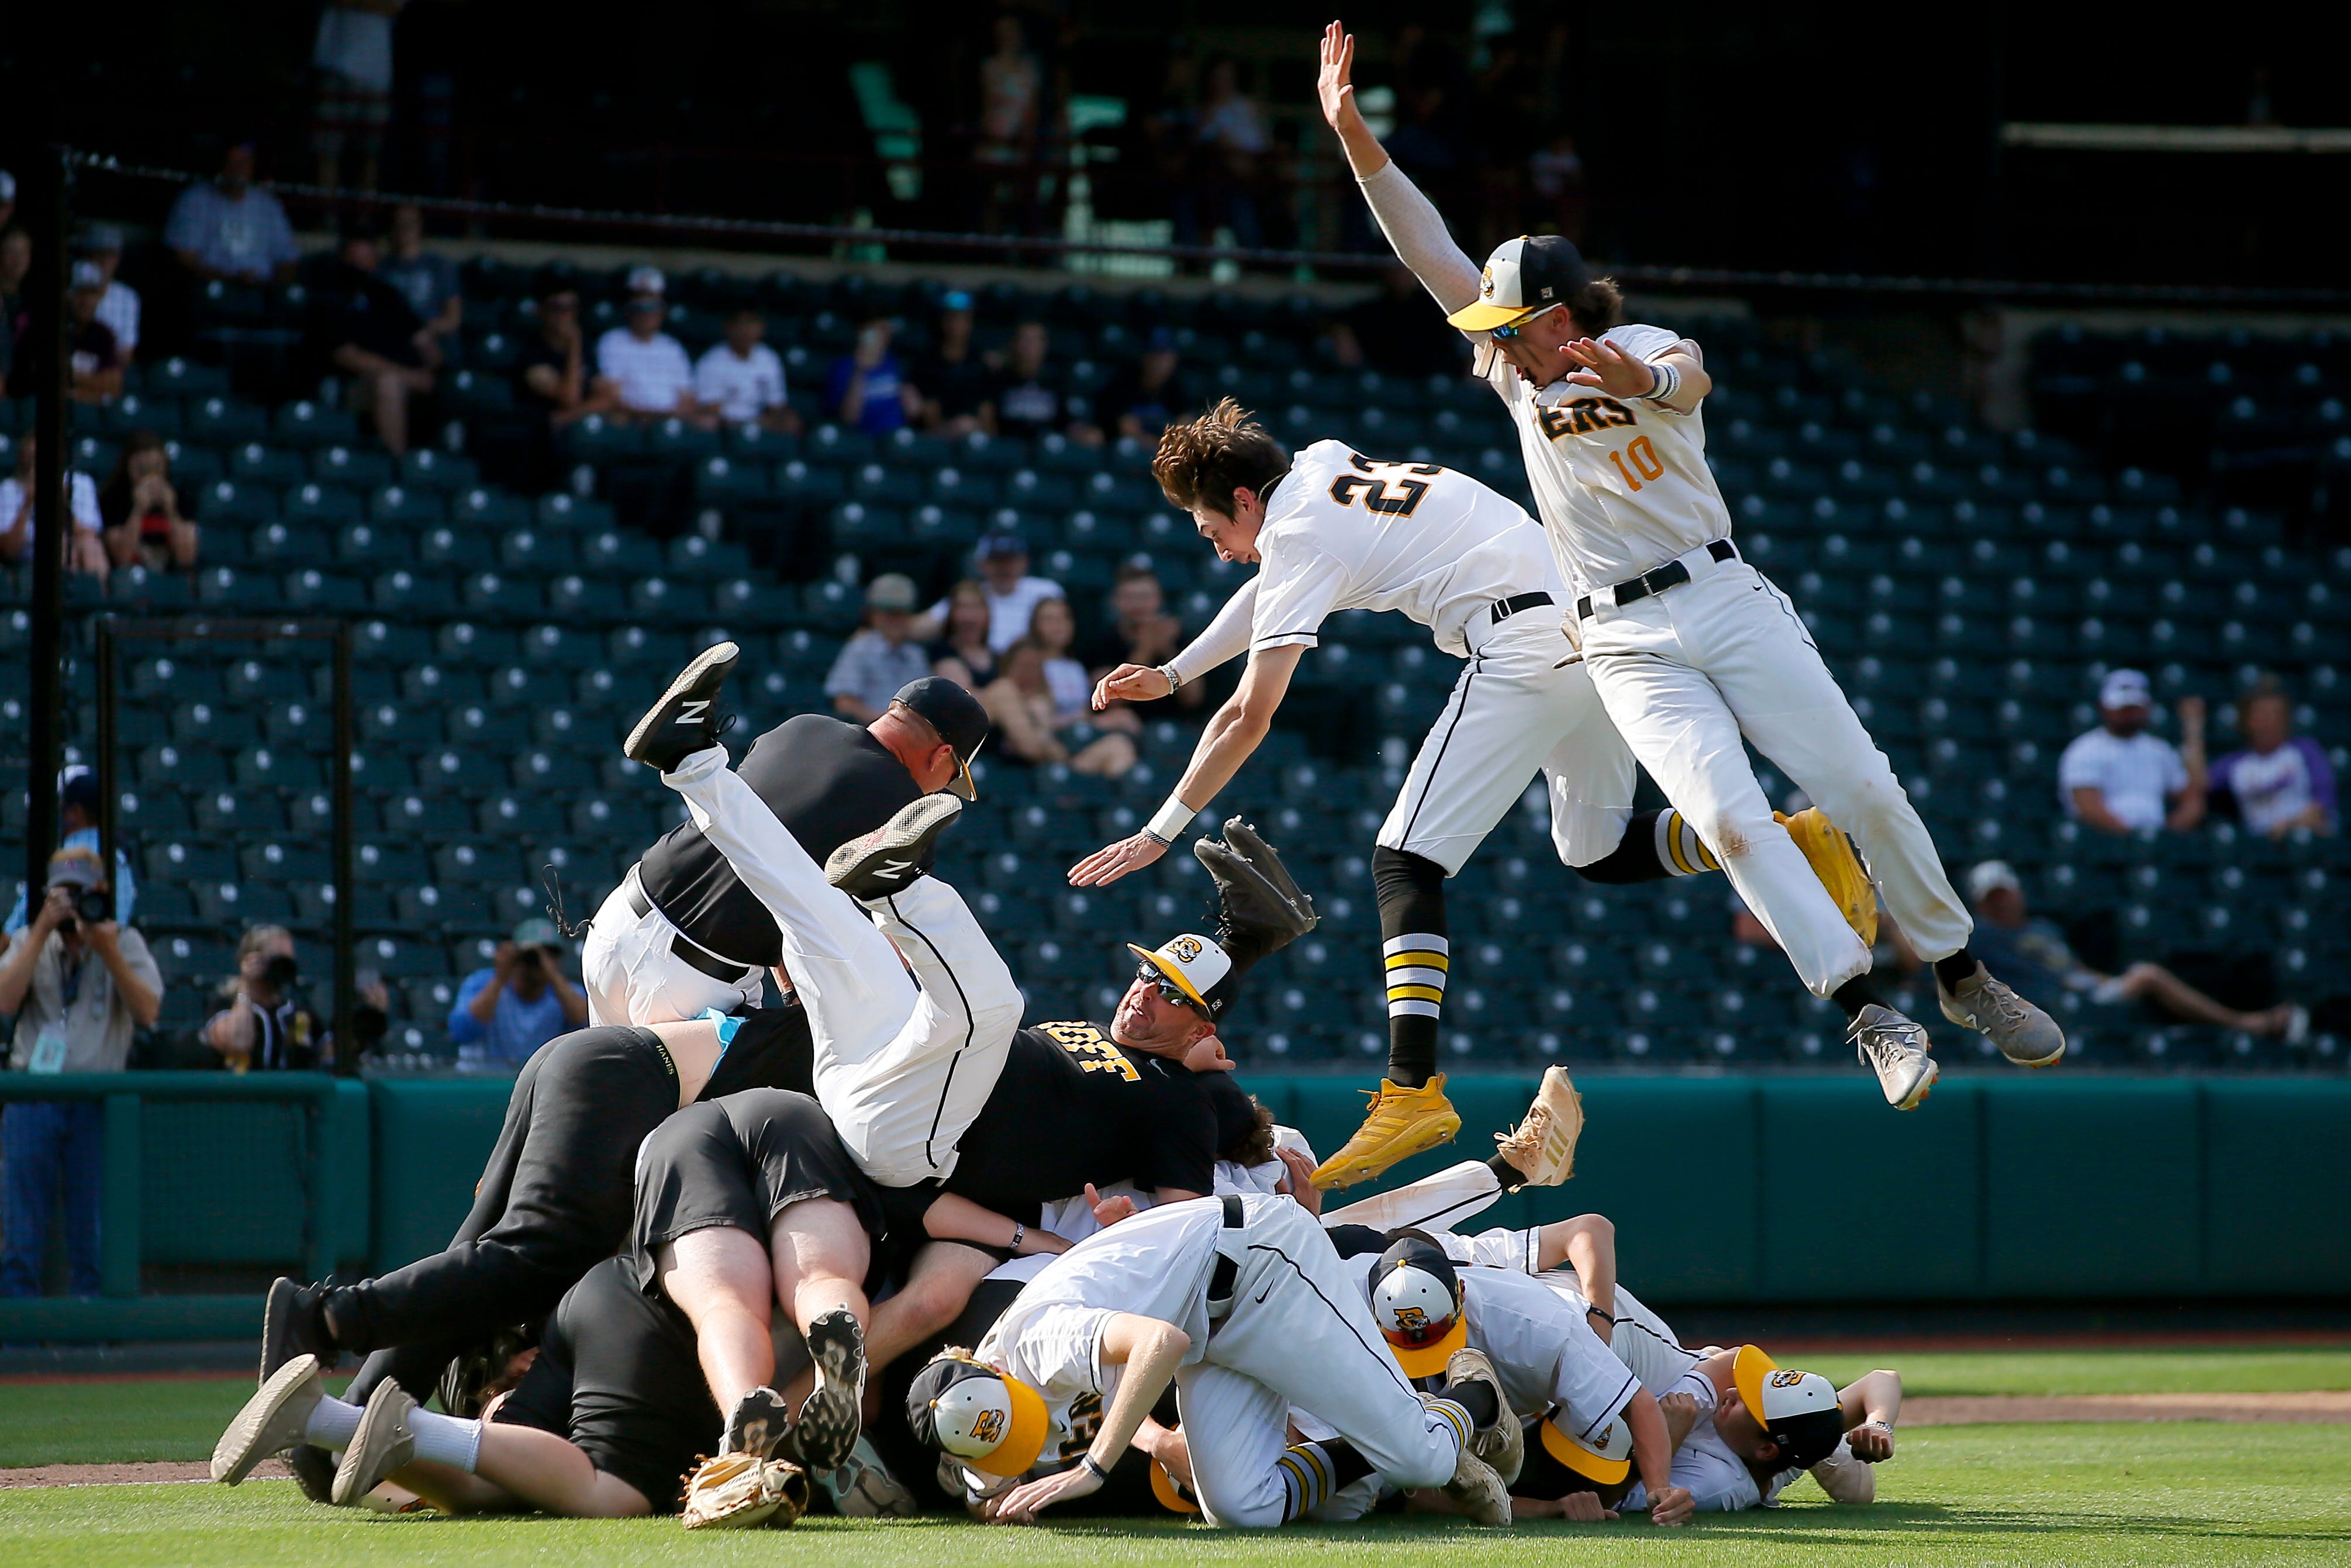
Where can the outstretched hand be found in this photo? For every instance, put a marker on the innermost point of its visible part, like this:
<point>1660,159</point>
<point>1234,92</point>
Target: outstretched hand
<point>1335,83</point>
<point>1132,683</point>
<point>1609,368</point>
<point>1107,864</point>
<point>1020,1505</point>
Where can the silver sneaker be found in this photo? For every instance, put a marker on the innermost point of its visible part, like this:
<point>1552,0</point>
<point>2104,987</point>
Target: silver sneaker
<point>1503,1445</point>
<point>2025,1035</point>
<point>1895,1048</point>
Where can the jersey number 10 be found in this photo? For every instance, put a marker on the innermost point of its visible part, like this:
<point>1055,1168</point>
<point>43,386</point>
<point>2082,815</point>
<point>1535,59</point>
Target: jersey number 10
<point>1389,496</point>
<point>1645,463</point>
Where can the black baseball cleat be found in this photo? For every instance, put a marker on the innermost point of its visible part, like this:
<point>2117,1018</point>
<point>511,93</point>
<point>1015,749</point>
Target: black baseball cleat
<point>761,1425</point>
<point>884,862</point>
<point>293,1322</point>
<point>686,720</point>
<point>828,1424</point>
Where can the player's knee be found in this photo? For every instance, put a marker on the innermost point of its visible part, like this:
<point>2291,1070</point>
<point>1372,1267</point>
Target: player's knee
<point>1262,1507</point>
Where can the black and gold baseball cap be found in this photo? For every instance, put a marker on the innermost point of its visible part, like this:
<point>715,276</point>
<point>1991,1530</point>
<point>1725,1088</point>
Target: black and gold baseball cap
<point>1524,276</point>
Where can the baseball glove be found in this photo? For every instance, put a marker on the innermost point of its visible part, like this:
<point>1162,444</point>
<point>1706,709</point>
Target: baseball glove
<point>742,1491</point>
<point>1254,887</point>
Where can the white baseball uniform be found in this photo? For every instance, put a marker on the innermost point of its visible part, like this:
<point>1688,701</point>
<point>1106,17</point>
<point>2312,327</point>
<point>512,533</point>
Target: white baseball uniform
<point>904,1061</point>
<point>1689,671</point>
<point>1344,532</point>
<point>630,971</point>
<point>1297,1331</point>
<point>1719,1481</point>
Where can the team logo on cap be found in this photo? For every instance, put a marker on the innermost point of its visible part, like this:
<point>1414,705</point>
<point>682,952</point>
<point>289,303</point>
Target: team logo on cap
<point>1186,948</point>
<point>1486,286</point>
<point>1786,1379</point>
<point>988,1428</point>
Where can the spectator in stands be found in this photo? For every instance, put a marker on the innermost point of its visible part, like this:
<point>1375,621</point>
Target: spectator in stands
<point>1395,333</point>
<point>1141,631</point>
<point>652,378</point>
<point>78,825</point>
<point>425,279</point>
<point>1148,396</point>
<point>362,326</point>
<point>1555,178</point>
<point>15,311</point>
<point>102,246</point>
<point>264,1022</point>
<point>743,380</point>
<point>1020,705</point>
<point>1028,398</point>
<point>867,388</point>
<point>878,661</point>
<point>2118,778</point>
<point>2280,780</point>
<point>8,197</point>
<point>552,373</point>
<point>522,1001</point>
<point>95,359</point>
<point>1228,164</point>
<point>72,1016</point>
<point>1013,594</point>
<point>955,381</point>
<point>962,653</point>
<point>223,228</point>
<point>87,553</point>
<point>1054,629</point>
<point>2034,957</point>
<point>146,520</point>
<point>351,60</point>
<point>1011,91</point>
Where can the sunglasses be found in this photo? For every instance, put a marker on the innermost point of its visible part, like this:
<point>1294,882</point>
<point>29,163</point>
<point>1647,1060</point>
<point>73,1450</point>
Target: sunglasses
<point>1519,327</point>
<point>1172,993</point>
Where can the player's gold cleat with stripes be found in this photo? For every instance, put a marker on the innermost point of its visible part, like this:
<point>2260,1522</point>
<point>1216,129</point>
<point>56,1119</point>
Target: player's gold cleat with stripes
<point>1397,1124</point>
<point>1839,869</point>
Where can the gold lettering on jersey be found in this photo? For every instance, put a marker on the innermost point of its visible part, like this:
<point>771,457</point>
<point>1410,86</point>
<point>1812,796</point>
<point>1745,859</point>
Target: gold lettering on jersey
<point>1388,496</point>
<point>1085,1424</point>
<point>1093,1048</point>
<point>1585,416</point>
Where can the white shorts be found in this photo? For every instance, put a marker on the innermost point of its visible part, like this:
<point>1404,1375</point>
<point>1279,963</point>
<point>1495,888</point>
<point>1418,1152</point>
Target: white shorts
<point>629,968</point>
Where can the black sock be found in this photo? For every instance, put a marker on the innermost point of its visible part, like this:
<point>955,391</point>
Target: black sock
<point>1478,1398</point>
<point>1955,968</point>
<point>1347,1465</point>
<point>1655,845</point>
<point>1509,1176</point>
<point>1416,956</point>
<point>1853,996</point>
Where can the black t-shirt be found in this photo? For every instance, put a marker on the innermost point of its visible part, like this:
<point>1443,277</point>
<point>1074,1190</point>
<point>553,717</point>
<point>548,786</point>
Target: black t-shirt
<point>826,781</point>
<point>772,1048</point>
<point>1154,407</point>
<point>958,386</point>
<point>536,352</point>
<point>349,306</point>
<point>1071,1107</point>
<point>1027,405</point>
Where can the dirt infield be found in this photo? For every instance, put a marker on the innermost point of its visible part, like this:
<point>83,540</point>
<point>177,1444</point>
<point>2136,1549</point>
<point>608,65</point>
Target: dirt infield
<point>147,1474</point>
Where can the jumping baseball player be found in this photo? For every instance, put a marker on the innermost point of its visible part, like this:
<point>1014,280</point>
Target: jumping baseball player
<point>1332,530</point>
<point>1691,649</point>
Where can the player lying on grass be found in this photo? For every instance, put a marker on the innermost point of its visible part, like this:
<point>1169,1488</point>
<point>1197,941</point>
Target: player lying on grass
<point>1331,530</point>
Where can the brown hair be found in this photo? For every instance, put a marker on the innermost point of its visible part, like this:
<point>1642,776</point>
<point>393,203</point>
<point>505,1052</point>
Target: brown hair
<point>1203,462</point>
<point>1597,305</point>
<point>1254,1146</point>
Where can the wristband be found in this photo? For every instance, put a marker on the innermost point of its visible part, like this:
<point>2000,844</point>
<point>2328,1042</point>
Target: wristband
<point>1174,678</point>
<point>1092,1466</point>
<point>1019,1232</point>
<point>1668,383</point>
<point>1168,822</point>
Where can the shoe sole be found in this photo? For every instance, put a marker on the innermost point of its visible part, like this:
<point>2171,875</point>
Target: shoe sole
<point>1821,839</point>
<point>1393,1156</point>
<point>379,1447</point>
<point>688,678</point>
<point>1557,1095</point>
<point>1919,1091</point>
<point>278,1326</point>
<point>905,834</point>
<point>1470,1492</point>
<point>830,1419</point>
<point>765,1433</point>
<point>262,1421</point>
<point>2052,1060</point>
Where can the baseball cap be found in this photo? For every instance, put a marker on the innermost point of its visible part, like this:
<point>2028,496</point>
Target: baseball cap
<point>1797,1410</point>
<point>2123,689</point>
<point>1604,1459</point>
<point>536,931</point>
<point>1195,963</point>
<point>76,867</point>
<point>647,280</point>
<point>1530,273</point>
<point>1000,542</point>
<point>1987,875</point>
<point>956,715</point>
<point>1416,1297</point>
<point>7,186</point>
<point>88,275</point>
<point>101,238</point>
<point>988,1420</point>
<point>891,590</point>
<point>955,299</point>
<point>78,786</point>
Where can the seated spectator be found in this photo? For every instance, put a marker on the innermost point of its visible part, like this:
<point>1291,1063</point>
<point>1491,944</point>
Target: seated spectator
<point>878,661</point>
<point>77,830</point>
<point>962,653</point>
<point>361,326</point>
<point>1144,399</point>
<point>425,279</point>
<point>2280,780</point>
<point>743,380</point>
<point>2118,778</point>
<point>867,388</point>
<point>2032,955</point>
<point>1029,396</point>
<point>652,378</point>
<point>95,360</point>
<point>87,553</point>
<point>223,228</point>
<point>552,373</point>
<point>102,246</point>
<point>72,1016</point>
<point>1020,705</point>
<point>16,308</point>
<point>351,67</point>
<point>521,1001</point>
<point>1013,594</point>
<point>145,518</point>
<point>1141,631</point>
<point>1395,333</point>
<point>954,381</point>
<point>264,1022</point>
<point>1054,629</point>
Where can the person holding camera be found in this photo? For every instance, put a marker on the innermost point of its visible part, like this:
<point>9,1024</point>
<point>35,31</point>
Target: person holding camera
<point>521,1001</point>
<point>263,1023</point>
<point>72,1016</point>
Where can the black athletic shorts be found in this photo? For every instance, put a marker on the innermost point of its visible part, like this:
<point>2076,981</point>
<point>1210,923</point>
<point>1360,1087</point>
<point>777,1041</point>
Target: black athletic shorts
<point>740,1162</point>
<point>616,1375</point>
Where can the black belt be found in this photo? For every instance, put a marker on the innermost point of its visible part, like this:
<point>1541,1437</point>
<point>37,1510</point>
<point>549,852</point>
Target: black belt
<point>1223,1277</point>
<point>1506,608</point>
<point>683,946</point>
<point>1667,576</point>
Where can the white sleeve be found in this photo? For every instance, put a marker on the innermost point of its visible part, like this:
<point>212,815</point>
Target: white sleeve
<point>1062,1348</point>
<point>706,385</point>
<point>2083,765</point>
<point>604,355</point>
<point>1590,1382</point>
<point>1297,587</point>
<point>1843,1476</point>
<point>1643,342</point>
<point>1226,638</point>
<point>1417,231</point>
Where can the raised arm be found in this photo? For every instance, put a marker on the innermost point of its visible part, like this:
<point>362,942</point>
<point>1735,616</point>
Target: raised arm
<point>1151,1351</point>
<point>1414,228</point>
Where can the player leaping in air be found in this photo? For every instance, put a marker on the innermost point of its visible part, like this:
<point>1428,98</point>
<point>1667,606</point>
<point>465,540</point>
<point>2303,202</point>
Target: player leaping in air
<point>1332,530</point>
<point>1689,647</point>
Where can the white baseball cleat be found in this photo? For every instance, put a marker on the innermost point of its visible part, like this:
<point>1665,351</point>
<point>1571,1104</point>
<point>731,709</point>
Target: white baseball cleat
<point>1542,1148</point>
<point>1896,1049</point>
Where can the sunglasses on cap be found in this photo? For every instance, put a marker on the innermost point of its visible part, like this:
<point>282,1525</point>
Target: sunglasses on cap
<point>1168,990</point>
<point>1519,326</point>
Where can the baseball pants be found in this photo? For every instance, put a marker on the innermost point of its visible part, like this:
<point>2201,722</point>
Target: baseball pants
<point>629,968</point>
<point>1689,672</point>
<point>1299,1333</point>
<point>1512,712</point>
<point>903,1061</point>
<point>1436,1202</point>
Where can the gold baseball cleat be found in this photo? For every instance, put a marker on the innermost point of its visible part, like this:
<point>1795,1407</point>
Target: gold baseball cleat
<point>1838,868</point>
<point>1397,1124</point>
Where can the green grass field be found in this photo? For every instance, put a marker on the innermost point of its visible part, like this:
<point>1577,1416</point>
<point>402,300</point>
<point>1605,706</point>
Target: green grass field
<point>2186,1492</point>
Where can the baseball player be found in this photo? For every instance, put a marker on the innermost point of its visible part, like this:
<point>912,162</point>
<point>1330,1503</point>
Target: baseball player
<point>1330,531</point>
<point>1691,649</point>
<point>1242,1302</point>
<point>682,934</point>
